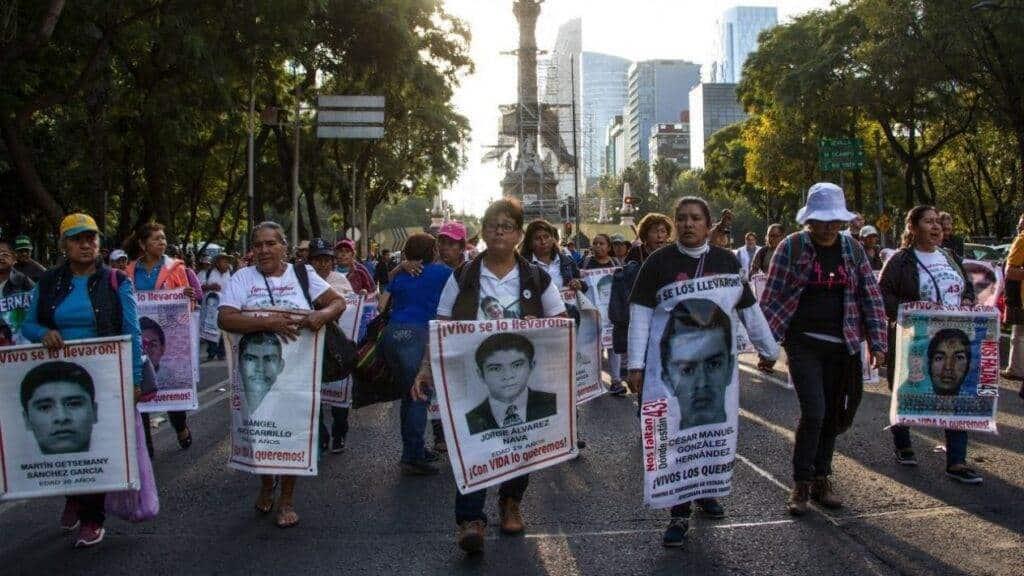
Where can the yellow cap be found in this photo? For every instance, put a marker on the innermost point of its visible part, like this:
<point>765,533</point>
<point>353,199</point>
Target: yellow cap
<point>76,224</point>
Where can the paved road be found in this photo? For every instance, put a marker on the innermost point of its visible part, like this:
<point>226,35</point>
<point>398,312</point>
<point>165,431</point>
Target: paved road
<point>584,517</point>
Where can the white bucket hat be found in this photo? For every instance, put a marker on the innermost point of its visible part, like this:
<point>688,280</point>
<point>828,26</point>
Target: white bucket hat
<point>825,202</point>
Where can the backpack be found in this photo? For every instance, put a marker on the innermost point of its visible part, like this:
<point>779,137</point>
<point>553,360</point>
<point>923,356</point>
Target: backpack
<point>618,304</point>
<point>339,351</point>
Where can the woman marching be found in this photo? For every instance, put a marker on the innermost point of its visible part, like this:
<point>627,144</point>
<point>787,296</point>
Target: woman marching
<point>154,270</point>
<point>83,298</point>
<point>820,297</point>
<point>924,271</point>
<point>690,257</point>
<point>601,257</point>
<point>271,282</point>
<point>518,289</point>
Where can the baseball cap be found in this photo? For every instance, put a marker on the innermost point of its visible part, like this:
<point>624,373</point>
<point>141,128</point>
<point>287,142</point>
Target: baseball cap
<point>320,247</point>
<point>22,243</point>
<point>346,243</point>
<point>453,229</point>
<point>619,239</point>
<point>74,224</point>
<point>118,255</point>
<point>868,231</point>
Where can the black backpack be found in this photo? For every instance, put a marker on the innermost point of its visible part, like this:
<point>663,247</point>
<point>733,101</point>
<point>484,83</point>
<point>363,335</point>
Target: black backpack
<point>339,351</point>
<point>618,304</point>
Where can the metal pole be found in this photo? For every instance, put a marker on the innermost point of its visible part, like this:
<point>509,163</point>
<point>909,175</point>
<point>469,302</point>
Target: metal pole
<point>295,173</point>
<point>575,145</point>
<point>879,192</point>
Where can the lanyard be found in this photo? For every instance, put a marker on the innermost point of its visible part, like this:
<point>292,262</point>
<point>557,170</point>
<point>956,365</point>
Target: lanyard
<point>700,264</point>
<point>269,291</point>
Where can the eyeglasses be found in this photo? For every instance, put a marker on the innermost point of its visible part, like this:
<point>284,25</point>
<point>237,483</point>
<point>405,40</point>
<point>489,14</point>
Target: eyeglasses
<point>492,227</point>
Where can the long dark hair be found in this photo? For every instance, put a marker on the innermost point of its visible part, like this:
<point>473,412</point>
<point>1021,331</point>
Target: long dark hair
<point>526,248</point>
<point>133,245</point>
<point>913,219</point>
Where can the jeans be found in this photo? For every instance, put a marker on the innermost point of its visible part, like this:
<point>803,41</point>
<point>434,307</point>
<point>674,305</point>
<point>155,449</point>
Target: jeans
<point>178,422</point>
<point>818,369</point>
<point>956,444</point>
<point>403,346</point>
<point>91,508</point>
<point>339,423</point>
<point>470,506</point>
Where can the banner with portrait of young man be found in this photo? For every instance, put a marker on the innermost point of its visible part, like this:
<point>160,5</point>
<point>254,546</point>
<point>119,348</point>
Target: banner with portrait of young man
<point>339,393</point>
<point>507,396</point>
<point>688,418</point>
<point>169,341</point>
<point>588,345</point>
<point>599,280</point>
<point>13,310</point>
<point>208,329</point>
<point>947,367</point>
<point>275,399</point>
<point>987,279</point>
<point>67,419</point>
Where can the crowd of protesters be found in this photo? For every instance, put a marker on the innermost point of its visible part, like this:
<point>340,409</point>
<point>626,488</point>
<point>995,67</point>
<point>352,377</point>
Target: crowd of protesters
<point>822,300</point>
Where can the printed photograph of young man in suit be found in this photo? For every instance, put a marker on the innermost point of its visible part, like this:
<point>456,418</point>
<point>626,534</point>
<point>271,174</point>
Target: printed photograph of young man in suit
<point>505,363</point>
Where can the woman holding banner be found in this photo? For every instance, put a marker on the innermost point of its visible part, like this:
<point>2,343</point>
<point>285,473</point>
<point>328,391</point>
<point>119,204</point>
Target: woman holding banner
<point>252,288</point>
<point>80,299</point>
<point>924,271</point>
<point>154,270</point>
<point>520,290</point>
<point>601,257</point>
<point>821,300</point>
<point>691,257</point>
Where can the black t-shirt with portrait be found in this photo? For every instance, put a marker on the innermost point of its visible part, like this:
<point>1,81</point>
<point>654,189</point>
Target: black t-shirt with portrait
<point>820,310</point>
<point>669,264</point>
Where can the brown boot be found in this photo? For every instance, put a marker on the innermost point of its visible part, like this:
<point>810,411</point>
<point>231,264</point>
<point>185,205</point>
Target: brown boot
<point>511,518</point>
<point>821,492</point>
<point>471,536</point>
<point>798,498</point>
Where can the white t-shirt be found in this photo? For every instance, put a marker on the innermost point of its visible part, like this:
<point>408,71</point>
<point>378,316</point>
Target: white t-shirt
<point>214,276</point>
<point>554,269</point>
<point>499,297</point>
<point>936,265</point>
<point>248,289</point>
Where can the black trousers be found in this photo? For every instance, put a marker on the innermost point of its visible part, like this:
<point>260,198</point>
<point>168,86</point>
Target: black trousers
<point>179,421</point>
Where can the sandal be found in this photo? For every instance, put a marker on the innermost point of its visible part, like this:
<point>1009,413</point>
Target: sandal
<point>187,440</point>
<point>265,501</point>
<point>286,516</point>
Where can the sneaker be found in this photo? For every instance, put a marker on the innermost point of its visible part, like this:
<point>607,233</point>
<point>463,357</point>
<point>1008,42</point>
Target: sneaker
<point>471,536</point>
<point>89,534</point>
<point>905,457</point>
<point>617,389</point>
<point>675,534</point>
<point>420,468</point>
<point>711,508</point>
<point>337,445</point>
<point>798,498</point>
<point>581,443</point>
<point>964,475</point>
<point>69,518</point>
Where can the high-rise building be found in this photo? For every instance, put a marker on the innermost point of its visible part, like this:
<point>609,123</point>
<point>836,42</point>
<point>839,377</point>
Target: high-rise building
<point>558,92</point>
<point>603,90</point>
<point>671,141</point>
<point>615,146</point>
<point>656,93</point>
<point>712,107</point>
<point>738,29</point>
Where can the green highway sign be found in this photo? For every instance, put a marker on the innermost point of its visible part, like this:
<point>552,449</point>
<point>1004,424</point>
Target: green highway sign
<point>840,154</point>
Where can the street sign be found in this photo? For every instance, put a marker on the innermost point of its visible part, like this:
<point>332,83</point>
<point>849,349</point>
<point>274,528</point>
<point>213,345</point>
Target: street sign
<point>350,117</point>
<point>840,154</point>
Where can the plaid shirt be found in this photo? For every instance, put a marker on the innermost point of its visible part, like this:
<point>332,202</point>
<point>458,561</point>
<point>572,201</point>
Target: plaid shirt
<point>863,302</point>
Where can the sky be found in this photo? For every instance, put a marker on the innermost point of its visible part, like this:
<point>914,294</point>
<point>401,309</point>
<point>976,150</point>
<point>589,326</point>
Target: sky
<point>633,29</point>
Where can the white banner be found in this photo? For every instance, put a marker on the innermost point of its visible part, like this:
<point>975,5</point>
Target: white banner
<point>208,329</point>
<point>947,367</point>
<point>507,396</point>
<point>67,419</point>
<point>600,293</point>
<point>691,392</point>
<point>588,354</point>
<point>169,340</point>
<point>339,392</point>
<point>275,399</point>
<point>757,284</point>
<point>13,310</point>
